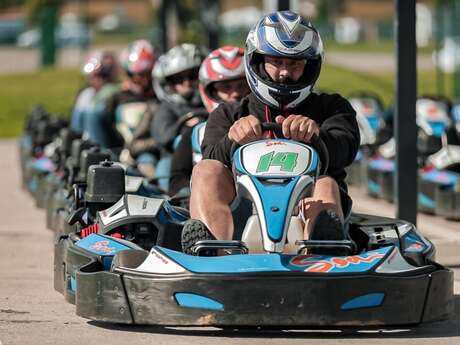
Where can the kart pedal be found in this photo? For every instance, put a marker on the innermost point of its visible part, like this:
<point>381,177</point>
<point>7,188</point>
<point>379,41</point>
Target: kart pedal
<point>228,247</point>
<point>340,247</point>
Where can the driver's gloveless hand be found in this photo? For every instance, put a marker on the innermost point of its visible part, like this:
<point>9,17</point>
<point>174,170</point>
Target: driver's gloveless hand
<point>245,130</point>
<point>298,127</point>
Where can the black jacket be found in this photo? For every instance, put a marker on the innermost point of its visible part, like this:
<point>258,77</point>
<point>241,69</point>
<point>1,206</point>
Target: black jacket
<point>182,164</point>
<point>334,114</point>
<point>164,127</point>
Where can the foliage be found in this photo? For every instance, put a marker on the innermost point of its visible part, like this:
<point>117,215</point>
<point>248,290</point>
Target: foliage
<point>9,3</point>
<point>54,89</point>
<point>34,7</point>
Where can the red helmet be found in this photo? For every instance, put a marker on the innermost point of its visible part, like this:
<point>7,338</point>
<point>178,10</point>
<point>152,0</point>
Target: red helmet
<point>101,63</point>
<point>222,64</point>
<point>138,57</point>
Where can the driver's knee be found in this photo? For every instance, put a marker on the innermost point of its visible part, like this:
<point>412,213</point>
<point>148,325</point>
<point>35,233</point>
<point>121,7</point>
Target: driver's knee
<point>326,196</point>
<point>327,187</point>
<point>210,174</point>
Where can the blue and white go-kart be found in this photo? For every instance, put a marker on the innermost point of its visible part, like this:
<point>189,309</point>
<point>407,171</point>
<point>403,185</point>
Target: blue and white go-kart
<point>266,278</point>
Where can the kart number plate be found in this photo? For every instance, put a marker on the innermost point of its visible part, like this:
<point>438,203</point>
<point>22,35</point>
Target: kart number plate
<point>276,158</point>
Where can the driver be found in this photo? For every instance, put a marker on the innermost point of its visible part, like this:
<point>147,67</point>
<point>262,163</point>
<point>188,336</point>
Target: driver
<point>283,57</point>
<point>176,85</point>
<point>222,80</point>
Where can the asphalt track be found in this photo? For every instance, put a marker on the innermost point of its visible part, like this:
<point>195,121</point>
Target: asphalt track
<point>31,312</point>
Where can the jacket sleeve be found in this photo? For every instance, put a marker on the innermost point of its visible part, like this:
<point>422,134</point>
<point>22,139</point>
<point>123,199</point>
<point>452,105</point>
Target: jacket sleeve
<point>216,144</point>
<point>110,108</point>
<point>340,133</point>
<point>81,100</point>
<point>182,164</point>
<point>142,140</point>
<point>163,128</point>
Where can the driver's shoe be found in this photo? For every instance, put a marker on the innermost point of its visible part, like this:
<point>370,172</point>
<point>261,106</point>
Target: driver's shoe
<point>329,227</point>
<point>195,230</point>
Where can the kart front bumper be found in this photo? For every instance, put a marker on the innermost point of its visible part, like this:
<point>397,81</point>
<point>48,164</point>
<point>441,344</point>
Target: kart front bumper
<point>263,299</point>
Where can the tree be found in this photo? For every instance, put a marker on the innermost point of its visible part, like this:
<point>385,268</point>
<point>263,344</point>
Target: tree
<point>10,3</point>
<point>35,7</point>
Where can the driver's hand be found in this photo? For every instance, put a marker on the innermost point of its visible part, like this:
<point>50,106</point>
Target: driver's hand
<point>298,127</point>
<point>245,130</point>
<point>191,122</point>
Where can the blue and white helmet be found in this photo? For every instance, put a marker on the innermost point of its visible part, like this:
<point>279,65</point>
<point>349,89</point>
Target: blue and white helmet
<point>282,34</point>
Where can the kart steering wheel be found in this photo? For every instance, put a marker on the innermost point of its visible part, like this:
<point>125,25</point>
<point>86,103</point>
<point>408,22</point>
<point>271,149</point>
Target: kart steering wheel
<point>316,142</point>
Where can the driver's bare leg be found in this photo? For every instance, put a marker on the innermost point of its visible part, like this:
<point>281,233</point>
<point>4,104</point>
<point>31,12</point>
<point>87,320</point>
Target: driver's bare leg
<point>326,196</point>
<point>213,191</point>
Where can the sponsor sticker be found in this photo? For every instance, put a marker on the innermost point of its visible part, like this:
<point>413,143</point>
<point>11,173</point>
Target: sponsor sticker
<point>316,264</point>
<point>415,247</point>
<point>160,257</point>
<point>103,246</point>
<point>269,143</point>
<point>158,263</point>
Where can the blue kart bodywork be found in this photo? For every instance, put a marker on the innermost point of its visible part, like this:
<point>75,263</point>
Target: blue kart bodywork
<point>395,282</point>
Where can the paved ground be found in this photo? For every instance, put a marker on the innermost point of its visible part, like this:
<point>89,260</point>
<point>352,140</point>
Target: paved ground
<point>17,60</point>
<point>13,60</point>
<point>31,312</point>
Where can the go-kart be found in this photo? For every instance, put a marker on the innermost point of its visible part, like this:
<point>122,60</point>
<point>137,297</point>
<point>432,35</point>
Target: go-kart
<point>373,130</point>
<point>57,153</point>
<point>432,121</point>
<point>69,194</point>
<point>29,146</point>
<point>39,132</point>
<point>267,277</point>
<point>134,222</point>
<point>440,180</point>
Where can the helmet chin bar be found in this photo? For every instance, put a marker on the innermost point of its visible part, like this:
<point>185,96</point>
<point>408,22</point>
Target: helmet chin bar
<point>280,100</point>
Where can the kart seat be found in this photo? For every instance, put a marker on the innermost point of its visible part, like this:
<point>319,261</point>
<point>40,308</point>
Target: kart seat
<point>129,259</point>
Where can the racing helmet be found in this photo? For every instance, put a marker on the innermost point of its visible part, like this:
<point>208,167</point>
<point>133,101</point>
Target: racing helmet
<point>102,64</point>
<point>282,34</point>
<point>222,64</point>
<point>178,59</point>
<point>138,57</point>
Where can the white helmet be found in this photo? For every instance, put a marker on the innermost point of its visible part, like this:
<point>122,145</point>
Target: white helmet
<point>177,60</point>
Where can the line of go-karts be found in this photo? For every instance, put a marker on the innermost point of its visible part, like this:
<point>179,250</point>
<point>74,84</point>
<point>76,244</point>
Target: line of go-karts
<point>438,145</point>
<point>118,255</point>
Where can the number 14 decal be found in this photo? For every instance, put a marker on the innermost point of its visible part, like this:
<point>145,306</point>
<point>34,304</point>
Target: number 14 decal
<point>287,161</point>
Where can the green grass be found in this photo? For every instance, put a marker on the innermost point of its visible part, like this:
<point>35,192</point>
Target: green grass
<point>54,89</point>
<point>381,46</point>
<point>346,82</point>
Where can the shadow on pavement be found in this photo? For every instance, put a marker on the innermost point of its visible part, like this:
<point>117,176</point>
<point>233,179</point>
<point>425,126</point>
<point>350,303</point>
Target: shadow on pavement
<point>442,329</point>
